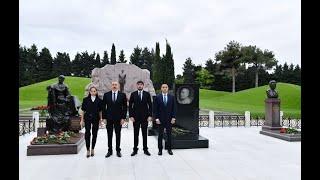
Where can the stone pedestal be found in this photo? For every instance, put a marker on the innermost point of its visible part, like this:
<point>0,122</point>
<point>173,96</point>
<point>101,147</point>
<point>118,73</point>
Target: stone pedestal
<point>211,119</point>
<point>41,131</point>
<point>272,114</point>
<point>75,123</point>
<point>247,118</point>
<point>277,134</point>
<point>272,124</point>
<point>55,149</point>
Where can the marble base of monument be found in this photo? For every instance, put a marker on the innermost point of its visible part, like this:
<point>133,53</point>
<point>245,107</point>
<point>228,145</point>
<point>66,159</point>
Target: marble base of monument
<point>188,141</point>
<point>283,136</point>
<point>41,131</point>
<point>56,149</point>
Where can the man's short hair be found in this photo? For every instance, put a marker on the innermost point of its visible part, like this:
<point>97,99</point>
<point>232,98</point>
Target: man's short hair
<point>140,82</point>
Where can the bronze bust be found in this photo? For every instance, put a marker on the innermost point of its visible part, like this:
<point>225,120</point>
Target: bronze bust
<point>272,92</point>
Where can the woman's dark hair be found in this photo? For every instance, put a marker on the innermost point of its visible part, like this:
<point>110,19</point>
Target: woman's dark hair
<point>89,95</point>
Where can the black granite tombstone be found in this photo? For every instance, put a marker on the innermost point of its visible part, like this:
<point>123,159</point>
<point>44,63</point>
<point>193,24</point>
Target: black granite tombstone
<point>185,133</point>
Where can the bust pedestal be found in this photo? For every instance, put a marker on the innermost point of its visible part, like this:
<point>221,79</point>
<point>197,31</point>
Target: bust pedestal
<point>272,122</point>
<point>272,114</point>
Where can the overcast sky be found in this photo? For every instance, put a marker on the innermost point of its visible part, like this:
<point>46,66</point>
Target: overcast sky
<point>196,29</point>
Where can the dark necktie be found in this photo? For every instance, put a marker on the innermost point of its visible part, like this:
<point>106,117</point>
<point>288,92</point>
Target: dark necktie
<point>140,95</point>
<point>114,97</point>
<point>165,100</point>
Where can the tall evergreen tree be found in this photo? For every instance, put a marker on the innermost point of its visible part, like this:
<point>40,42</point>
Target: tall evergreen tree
<point>152,62</point>
<point>189,71</point>
<point>88,61</point>
<point>277,74</point>
<point>77,67</point>
<point>297,75</point>
<point>113,55</point>
<point>61,65</point>
<point>147,59</point>
<point>122,57</point>
<point>136,56</point>
<point>169,62</point>
<point>32,61</point>
<point>105,59</point>
<point>259,59</point>
<point>157,67</point>
<point>285,73</point>
<point>97,61</point>
<point>230,58</point>
<point>45,65</point>
<point>24,74</point>
<point>210,66</point>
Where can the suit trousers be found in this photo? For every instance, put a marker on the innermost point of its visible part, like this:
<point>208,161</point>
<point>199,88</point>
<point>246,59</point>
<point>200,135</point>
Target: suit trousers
<point>114,124</point>
<point>160,136</point>
<point>143,123</point>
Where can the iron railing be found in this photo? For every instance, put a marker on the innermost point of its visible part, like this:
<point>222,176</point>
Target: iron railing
<point>27,124</point>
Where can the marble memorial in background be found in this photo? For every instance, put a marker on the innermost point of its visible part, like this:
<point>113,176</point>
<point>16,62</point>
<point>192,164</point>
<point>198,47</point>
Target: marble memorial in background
<point>126,74</point>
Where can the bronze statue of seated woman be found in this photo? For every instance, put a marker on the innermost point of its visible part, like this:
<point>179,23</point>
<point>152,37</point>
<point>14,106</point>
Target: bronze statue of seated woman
<point>61,107</point>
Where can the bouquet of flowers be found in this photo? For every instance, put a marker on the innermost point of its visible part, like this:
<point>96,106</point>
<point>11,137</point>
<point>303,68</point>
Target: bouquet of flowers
<point>179,131</point>
<point>289,131</point>
<point>283,130</point>
<point>43,109</point>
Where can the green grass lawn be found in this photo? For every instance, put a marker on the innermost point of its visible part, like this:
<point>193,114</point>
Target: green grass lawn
<point>36,94</point>
<point>253,100</point>
<point>247,100</point>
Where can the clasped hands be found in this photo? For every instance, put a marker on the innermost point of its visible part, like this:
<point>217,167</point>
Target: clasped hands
<point>173,120</point>
<point>133,120</point>
<point>100,122</point>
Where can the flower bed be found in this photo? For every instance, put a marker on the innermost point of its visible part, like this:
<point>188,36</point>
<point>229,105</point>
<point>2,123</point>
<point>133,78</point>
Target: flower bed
<point>67,137</point>
<point>289,131</point>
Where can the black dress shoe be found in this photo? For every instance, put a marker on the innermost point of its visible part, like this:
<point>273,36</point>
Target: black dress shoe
<point>119,154</point>
<point>160,153</point>
<point>88,156</point>
<point>170,152</point>
<point>134,153</point>
<point>147,153</point>
<point>108,154</point>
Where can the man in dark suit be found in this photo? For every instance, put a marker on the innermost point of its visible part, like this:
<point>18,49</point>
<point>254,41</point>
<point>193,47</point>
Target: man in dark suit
<point>140,111</point>
<point>115,111</point>
<point>165,115</point>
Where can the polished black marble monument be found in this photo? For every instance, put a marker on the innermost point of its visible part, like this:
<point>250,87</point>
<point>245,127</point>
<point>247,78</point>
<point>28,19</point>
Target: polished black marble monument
<point>185,133</point>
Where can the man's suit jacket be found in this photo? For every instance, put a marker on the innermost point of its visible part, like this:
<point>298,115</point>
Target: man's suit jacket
<point>140,109</point>
<point>114,110</point>
<point>165,112</point>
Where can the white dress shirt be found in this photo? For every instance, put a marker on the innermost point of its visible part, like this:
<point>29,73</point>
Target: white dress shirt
<point>116,95</point>
<point>141,94</point>
<point>165,96</point>
<point>93,98</point>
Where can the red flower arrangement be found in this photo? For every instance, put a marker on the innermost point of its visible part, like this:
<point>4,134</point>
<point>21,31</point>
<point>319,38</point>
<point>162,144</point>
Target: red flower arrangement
<point>43,107</point>
<point>283,130</point>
